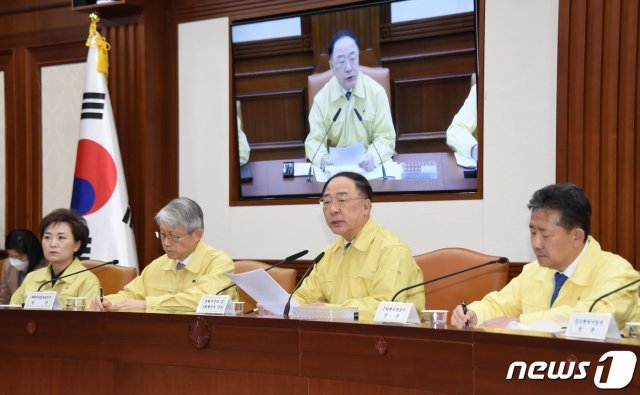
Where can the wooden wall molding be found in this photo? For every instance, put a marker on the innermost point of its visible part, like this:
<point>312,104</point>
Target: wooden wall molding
<point>273,72</point>
<point>280,46</point>
<point>388,60</point>
<point>26,6</point>
<point>461,23</point>
<point>194,10</point>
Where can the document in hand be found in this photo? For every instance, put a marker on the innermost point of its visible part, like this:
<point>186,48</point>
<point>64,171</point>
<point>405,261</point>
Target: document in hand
<point>345,156</point>
<point>264,289</point>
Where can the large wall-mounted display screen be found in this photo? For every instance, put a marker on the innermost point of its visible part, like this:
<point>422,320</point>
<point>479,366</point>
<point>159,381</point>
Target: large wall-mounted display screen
<point>399,105</point>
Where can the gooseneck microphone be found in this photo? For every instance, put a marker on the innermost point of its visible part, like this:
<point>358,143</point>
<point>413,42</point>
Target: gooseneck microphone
<point>287,307</point>
<point>499,260</point>
<point>326,134</point>
<point>612,292</point>
<point>384,173</point>
<point>285,260</point>
<point>113,262</point>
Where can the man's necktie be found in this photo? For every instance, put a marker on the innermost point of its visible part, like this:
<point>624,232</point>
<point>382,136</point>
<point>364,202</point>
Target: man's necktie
<point>180,265</point>
<point>348,95</point>
<point>560,279</point>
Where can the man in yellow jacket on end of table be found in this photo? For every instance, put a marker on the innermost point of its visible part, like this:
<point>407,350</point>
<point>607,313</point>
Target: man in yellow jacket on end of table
<point>570,273</point>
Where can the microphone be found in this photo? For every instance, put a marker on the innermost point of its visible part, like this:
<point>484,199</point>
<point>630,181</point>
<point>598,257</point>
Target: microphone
<point>113,262</point>
<point>612,292</point>
<point>287,307</point>
<point>384,173</point>
<point>326,134</point>
<point>499,260</point>
<point>285,260</point>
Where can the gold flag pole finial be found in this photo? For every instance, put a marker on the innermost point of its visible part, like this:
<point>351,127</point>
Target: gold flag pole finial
<point>94,19</point>
<point>94,16</point>
<point>101,44</point>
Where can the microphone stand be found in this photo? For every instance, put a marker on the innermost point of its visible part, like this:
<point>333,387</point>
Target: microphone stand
<point>499,260</point>
<point>113,262</point>
<point>612,292</point>
<point>326,134</point>
<point>287,307</point>
<point>384,173</point>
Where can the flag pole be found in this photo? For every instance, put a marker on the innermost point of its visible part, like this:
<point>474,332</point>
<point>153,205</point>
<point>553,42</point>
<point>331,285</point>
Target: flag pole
<point>99,187</point>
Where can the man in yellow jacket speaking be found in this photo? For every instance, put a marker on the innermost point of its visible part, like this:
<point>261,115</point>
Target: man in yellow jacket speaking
<point>570,272</point>
<point>367,264</point>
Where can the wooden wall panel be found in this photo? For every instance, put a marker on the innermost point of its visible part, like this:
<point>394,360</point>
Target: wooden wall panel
<point>425,105</point>
<point>629,94</point>
<point>597,118</point>
<point>263,120</point>
<point>363,22</point>
<point>35,34</point>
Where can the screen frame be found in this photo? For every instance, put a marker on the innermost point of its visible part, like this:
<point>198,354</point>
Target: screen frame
<point>235,185</point>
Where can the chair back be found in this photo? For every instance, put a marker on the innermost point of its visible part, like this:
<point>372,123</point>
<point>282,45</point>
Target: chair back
<point>112,278</point>
<point>315,82</point>
<point>286,277</point>
<point>471,286</point>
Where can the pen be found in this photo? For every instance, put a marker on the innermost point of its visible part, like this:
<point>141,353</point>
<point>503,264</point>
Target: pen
<point>252,311</point>
<point>101,295</point>
<point>464,311</point>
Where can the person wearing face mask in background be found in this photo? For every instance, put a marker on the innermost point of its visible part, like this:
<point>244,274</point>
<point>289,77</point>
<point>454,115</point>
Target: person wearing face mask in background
<point>25,256</point>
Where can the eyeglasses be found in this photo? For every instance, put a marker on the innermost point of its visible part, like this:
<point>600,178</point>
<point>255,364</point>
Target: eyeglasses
<point>326,203</point>
<point>341,61</point>
<point>169,236</point>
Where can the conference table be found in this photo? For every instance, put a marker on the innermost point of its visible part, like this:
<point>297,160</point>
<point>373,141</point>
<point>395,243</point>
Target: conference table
<point>268,180</point>
<point>64,352</point>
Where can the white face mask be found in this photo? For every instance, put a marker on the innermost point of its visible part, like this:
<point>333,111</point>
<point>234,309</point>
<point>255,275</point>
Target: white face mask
<point>18,264</point>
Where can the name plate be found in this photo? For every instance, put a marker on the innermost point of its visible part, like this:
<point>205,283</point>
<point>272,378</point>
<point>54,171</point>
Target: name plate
<point>215,304</point>
<point>396,312</point>
<point>598,326</point>
<point>47,300</point>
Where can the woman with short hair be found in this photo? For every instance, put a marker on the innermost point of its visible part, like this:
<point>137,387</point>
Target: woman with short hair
<point>64,236</point>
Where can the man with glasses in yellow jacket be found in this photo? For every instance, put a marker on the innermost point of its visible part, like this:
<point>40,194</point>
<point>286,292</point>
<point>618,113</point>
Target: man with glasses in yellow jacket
<point>347,90</point>
<point>177,280</point>
<point>367,264</point>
